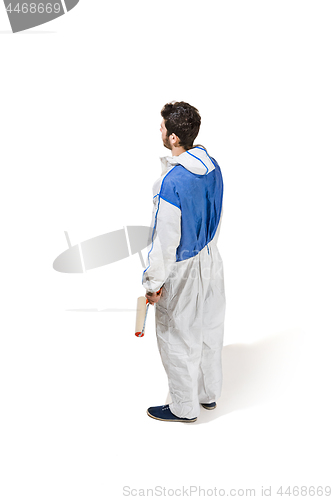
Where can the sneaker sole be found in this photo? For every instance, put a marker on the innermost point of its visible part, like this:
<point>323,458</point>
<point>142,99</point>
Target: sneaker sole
<point>209,408</point>
<point>167,420</point>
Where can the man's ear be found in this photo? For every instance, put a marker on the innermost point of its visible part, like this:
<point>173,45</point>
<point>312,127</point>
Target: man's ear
<point>174,139</point>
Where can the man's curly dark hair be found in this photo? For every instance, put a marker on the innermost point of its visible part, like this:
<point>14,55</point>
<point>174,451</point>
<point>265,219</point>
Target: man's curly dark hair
<point>183,120</point>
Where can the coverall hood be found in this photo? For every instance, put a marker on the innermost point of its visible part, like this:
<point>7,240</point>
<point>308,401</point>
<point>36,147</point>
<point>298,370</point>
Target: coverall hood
<point>195,160</point>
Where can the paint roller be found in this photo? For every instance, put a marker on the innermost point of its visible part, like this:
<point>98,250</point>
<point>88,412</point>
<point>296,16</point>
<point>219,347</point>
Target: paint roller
<point>141,315</point>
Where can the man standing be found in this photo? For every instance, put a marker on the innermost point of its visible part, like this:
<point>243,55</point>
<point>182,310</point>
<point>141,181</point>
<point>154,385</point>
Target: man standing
<point>184,276</point>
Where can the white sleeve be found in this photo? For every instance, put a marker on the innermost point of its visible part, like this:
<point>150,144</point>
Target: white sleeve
<point>165,240</point>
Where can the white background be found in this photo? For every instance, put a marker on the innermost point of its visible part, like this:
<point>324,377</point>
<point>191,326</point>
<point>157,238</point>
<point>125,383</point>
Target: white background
<point>80,114</point>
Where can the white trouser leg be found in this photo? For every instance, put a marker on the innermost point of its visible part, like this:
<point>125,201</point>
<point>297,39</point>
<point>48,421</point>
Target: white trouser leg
<point>189,328</point>
<point>210,373</point>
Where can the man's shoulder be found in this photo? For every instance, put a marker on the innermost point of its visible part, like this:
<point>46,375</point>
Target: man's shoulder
<point>169,177</point>
<point>165,181</point>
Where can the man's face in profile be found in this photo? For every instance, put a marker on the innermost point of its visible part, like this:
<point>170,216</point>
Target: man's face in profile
<point>165,138</point>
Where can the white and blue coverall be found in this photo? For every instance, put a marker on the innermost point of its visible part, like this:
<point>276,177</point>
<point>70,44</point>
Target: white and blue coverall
<point>184,259</point>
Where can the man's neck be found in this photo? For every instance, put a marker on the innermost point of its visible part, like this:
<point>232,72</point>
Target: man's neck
<point>177,150</point>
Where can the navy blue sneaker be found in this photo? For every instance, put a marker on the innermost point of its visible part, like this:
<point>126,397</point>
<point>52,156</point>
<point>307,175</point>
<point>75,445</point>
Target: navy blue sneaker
<point>164,413</point>
<point>209,406</point>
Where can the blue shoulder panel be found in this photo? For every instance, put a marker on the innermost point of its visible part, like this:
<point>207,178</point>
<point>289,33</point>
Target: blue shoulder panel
<point>199,198</point>
<point>168,191</point>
